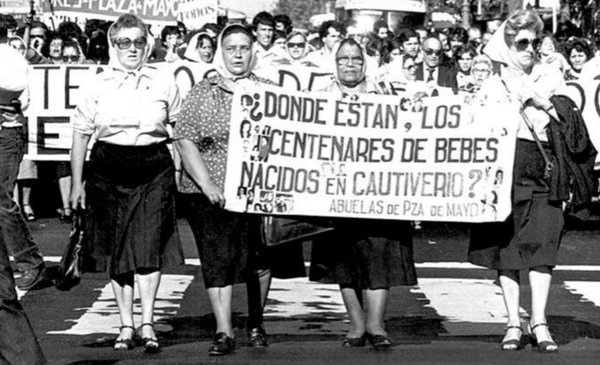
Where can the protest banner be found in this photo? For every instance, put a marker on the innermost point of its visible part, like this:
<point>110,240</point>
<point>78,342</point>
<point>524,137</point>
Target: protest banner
<point>298,153</point>
<point>55,91</point>
<point>297,77</point>
<point>586,95</point>
<point>194,13</point>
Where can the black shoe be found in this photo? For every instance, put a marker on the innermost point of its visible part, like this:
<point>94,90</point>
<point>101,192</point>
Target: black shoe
<point>125,344</point>
<point>355,341</point>
<point>513,344</point>
<point>257,337</point>
<point>380,342</point>
<point>222,345</point>
<point>30,278</point>
<point>67,215</point>
<point>150,344</point>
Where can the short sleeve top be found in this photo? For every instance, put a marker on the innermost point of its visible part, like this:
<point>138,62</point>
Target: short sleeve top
<point>204,119</point>
<point>129,108</point>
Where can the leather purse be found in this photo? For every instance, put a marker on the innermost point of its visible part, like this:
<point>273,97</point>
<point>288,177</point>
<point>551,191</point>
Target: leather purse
<point>70,267</point>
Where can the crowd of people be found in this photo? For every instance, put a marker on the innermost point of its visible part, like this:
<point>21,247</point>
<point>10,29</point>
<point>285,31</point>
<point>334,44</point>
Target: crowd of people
<point>131,181</point>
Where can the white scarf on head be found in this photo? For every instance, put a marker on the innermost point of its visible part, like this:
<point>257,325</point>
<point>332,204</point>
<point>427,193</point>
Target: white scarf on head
<point>219,61</point>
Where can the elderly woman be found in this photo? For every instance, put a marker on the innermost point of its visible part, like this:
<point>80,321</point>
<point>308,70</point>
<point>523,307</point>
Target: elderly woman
<point>367,256</point>
<point>578,52</point>
<point>130,188</point>
<point>529,239</point>
<point>228,243</point>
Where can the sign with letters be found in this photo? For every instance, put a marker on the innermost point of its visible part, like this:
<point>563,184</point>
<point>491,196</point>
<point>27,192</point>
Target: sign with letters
<point>194,13</point>
<point>55,91</point>
<point>368,156</point>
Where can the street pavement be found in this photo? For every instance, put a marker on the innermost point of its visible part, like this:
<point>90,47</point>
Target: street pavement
<point>455,315</point>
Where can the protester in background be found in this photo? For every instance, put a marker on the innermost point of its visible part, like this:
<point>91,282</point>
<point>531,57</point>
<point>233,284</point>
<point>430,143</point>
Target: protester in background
<point>167,51</point>
<point>578,52</point>
<point>55,48</point>
<point>38,42</point>
<point>279,38</point>
<point>547,52</point>
<point>463,58</point>
<point>481,69</point>
<point>130,188</point>
<point>296,47</point>
<point>330,34</point>
<point>431,71</point>
<point>228,243</point>
<point>411,44</point>
<point>381,29</point>
<point>530,237</point>
<point>263,27</point>
<point>201,48</point>
<point>365,257</point>
<point>27,168</point>
<point>283,23</point>
<point>395,50</point>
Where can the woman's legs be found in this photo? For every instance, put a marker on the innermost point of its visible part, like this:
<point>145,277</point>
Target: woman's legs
<point>148,282</point>
<point>509,282</point>
<point>355,312</point>
<point>122,286</point>
<point>376,303</point>
<point>540,279</point>
<point>220,301</point>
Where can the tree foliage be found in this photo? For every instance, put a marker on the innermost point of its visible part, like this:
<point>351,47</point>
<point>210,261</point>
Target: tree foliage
<point>300,11</point>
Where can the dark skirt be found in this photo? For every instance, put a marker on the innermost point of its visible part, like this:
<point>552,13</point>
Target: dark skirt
<point>229,243</point>
<point>531,235</point>
<point>365,254</point>
<point>131,217</point>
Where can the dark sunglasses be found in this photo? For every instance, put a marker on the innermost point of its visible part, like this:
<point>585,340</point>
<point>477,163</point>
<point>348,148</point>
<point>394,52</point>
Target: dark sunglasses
<point>522,44</point>
<point>125,43</point>
<point>429,51</point>
<point>296,45</point>
<point>69,58</point>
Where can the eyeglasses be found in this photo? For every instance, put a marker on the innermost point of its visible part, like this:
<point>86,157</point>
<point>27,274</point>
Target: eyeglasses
<point>69,58</point>
<point>343,61</point>
<point>429,52</point>
<point>523,44</point>
<point>410,67</point>
<point>296,45</point>
<point>484,71</point>
<point>37,36</point>
<point>125,43</point>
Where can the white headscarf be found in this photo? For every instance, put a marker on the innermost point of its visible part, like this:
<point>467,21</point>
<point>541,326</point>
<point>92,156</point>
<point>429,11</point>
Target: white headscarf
<point>191,51</point>
<point>362,85</point>
<point>219,61</point>
<point>113,59</point>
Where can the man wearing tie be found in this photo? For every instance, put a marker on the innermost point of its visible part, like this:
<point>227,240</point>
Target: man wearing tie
<point>431,71</point>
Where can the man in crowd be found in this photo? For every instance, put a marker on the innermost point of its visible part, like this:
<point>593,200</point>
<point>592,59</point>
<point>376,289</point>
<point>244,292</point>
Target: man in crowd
<point>330,33</point>
<point>410,42</point>
<point>264,25</point>
<point>18,344</point>
<point>430,70</point>
<point>283,23</point>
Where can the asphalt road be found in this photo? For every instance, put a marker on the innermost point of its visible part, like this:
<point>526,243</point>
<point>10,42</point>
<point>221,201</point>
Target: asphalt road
<point>454,316</point>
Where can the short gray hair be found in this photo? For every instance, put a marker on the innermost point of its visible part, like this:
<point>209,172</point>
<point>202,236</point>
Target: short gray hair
<point>519,20</point>
<point>127,21</point>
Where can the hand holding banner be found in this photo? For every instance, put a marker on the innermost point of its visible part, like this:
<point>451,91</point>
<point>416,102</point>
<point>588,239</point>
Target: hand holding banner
<point>296,153</point>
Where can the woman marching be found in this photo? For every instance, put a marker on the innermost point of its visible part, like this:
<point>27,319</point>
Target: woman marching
<point>229,244</point>
<point>129,192</point>
<point>365,257</point>
<point>529,239</point>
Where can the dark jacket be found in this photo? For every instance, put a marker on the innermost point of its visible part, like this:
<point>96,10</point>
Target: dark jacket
<point>446,76</point>
<point>573,157</point>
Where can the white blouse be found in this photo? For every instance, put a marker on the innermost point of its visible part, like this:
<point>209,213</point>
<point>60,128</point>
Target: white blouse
<point>129,108</point>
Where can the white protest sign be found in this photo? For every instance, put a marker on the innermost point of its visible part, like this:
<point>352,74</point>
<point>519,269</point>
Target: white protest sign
<point>195,13</point>
<point>296,153</point>
<point>55,91</point>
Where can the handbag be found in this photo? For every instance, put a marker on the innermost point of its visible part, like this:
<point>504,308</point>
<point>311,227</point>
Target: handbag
<point>70,267</point>
<point>278,230</point>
